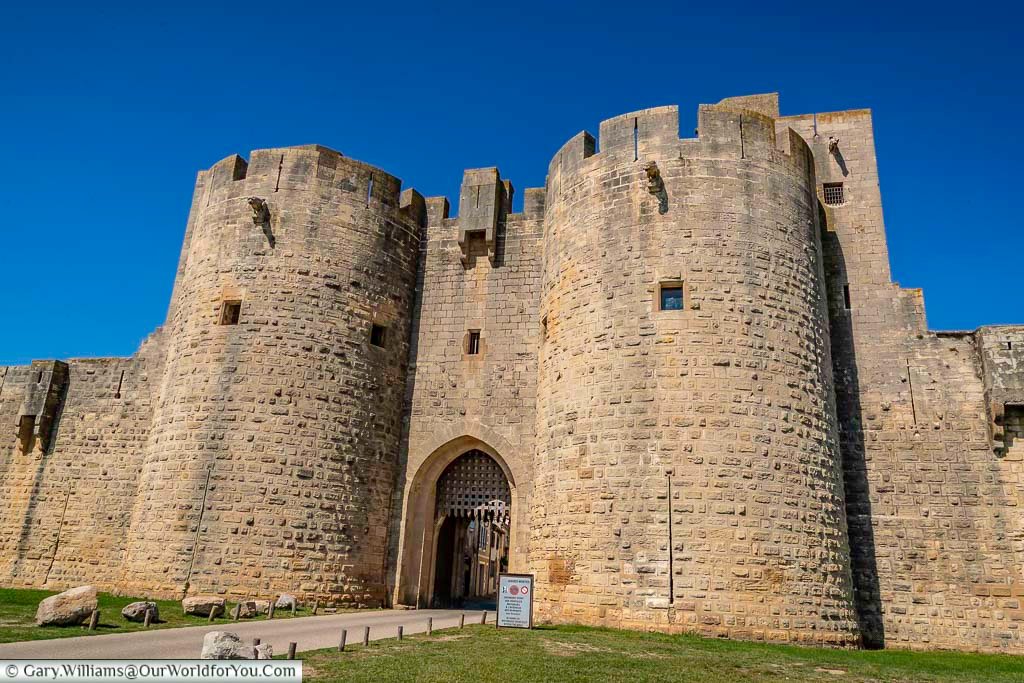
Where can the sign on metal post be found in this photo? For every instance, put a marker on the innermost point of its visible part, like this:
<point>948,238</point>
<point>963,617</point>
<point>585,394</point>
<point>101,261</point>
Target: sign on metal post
<point>515,601</point>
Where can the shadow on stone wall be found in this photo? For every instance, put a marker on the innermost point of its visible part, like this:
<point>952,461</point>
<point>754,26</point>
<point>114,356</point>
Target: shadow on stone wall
<point>867,594</point>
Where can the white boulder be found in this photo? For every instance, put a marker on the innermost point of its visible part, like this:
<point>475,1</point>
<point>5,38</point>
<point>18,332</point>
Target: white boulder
<point>286,601</point>
<point>68,608</point>
<point>202,605</point>
<point>227,645</point>
<point>136,611</point>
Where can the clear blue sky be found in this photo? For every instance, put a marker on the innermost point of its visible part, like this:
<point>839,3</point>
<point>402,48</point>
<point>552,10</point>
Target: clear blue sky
<point>108,112</point>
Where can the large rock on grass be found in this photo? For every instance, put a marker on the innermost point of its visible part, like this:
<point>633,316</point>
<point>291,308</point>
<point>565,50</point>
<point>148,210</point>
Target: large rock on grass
<point>202,605</point>
<point>68,608</point>
<point>286,601</point>
<point>262,606</point>
<point>136,611</point>
<point>227,645</point>
<point>245,609</point>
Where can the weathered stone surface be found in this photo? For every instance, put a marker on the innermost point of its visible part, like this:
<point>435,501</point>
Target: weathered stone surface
<point>829,469</point>
<point>68,608</point>
<point>227,645</point>
<point>262,606</point>
<point>286,601</point>
<point>201,605</point>
<point>136,611</point>
<point>246,609</point>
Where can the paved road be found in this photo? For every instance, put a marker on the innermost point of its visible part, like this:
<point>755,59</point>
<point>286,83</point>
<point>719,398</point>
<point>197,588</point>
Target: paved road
<point>310,633</point>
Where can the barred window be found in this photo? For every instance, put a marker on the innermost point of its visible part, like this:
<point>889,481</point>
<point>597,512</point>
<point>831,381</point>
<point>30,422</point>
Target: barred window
<point>833,194</point>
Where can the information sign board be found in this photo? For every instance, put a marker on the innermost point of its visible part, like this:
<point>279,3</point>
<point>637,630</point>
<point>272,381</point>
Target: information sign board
<point>515,601</point>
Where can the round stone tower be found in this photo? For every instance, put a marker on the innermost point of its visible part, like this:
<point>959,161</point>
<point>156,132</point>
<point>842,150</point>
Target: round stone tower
<point>272,457</point>
<point>688,474</point>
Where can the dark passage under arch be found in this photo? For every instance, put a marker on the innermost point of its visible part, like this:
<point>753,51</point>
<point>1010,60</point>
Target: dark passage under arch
<point>472,519</point>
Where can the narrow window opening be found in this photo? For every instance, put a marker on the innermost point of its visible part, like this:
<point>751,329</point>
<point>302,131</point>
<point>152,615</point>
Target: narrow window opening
<point>473,348</point>
<point>280,167</point>
<point>910,385</point>
<point>120,383</point>
<point>39,377</point>
<point>377,333</point>
<point>846,297</point>
<point>230,312</point>
<point>670,296</point>
<point>636,140</point>
<point>743,151</point>
<point>369,190</point>
<point>544,327</point>
<point>833,193</point>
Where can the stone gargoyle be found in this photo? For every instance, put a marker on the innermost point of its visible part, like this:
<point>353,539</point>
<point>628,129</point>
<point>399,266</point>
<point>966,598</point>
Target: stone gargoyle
<point>656,186</point>
<point>260,210</point>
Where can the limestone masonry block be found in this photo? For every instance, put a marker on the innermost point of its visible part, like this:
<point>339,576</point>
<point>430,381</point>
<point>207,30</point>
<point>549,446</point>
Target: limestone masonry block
<point>715,411</point>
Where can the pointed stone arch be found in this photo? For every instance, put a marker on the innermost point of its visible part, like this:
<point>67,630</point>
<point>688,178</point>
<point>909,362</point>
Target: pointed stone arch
<point>418,535</point>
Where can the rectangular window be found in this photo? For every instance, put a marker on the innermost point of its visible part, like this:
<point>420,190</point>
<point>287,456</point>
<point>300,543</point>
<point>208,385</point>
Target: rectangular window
<point>671,297</point>
<point>846,297</point>
<point>230,311</point>
<point>377,335</point>
<point>833,194</point>
<point>473,348</point>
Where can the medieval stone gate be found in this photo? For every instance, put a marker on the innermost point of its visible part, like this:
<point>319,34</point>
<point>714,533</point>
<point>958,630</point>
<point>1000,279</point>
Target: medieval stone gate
<point>471,539</point>
<point>457,531</point>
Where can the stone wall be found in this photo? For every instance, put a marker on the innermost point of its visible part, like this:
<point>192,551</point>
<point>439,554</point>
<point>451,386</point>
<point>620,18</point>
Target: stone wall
<point>688,473</point>
<point>792,456</point>
<point>67,505</point>
<point>933,510</point>
<point>272,457</point>
<point>458,401</point>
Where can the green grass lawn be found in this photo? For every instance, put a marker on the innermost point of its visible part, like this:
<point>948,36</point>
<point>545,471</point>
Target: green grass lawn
<point>570,653</point>
<point>18,612</point>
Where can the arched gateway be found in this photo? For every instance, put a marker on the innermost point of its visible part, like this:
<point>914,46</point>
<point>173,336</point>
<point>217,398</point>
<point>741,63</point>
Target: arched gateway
<point>471,521</point>
<point>457,532</point>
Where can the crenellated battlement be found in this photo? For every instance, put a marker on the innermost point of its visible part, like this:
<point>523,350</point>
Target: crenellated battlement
<point>686,355</point>
<point>299,168</point>
<point>736,127</point>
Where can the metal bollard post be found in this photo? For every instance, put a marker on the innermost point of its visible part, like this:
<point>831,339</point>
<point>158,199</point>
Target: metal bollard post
<point>483,617</point>
<point>214,611</point>
<point>291,650</point>
<point>238,611</point>
<point>94,620</point>
<point>344,637</point>
<point>462,621</point>
<point>270,612</point>
<point>149,618</point>
<point>430,625</point>
<point>366,636</point>
<point>399,632</point>
<point>294,605</point>
<point>316,606</point>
